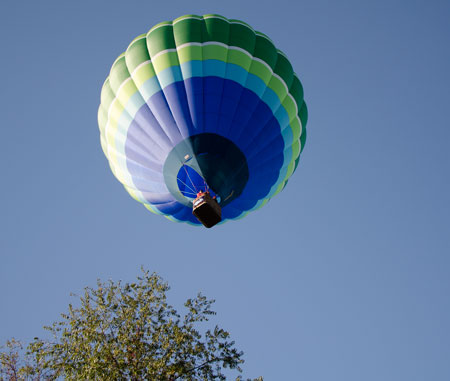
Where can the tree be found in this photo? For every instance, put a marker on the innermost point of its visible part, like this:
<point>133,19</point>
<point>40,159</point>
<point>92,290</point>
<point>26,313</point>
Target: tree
<point>127,332</point>
<point>16,365</point>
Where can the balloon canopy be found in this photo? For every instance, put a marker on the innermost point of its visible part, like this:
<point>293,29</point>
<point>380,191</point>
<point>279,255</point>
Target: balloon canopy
<point>202,103</point>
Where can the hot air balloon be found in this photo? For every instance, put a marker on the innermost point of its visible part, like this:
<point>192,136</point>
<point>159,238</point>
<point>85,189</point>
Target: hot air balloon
<point>202,119</point>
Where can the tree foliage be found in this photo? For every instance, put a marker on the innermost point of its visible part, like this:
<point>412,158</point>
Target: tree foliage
<point>16,364</point>
<point>130,332</point>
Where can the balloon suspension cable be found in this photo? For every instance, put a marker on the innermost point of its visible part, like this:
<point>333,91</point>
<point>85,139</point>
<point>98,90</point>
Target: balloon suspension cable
<point>187,186</point>
<point>189,194</point>
<point>189,177</point>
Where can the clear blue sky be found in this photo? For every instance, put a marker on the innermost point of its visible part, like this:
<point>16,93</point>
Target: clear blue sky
<point>343,276</point>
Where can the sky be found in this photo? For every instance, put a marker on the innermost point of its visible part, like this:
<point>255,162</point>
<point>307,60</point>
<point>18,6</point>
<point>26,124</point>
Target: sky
<point>344,276</point>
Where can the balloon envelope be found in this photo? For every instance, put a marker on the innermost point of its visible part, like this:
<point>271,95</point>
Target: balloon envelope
<point>202,102</point>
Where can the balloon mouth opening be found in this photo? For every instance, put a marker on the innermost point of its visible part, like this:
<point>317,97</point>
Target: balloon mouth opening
<point>206,162</point>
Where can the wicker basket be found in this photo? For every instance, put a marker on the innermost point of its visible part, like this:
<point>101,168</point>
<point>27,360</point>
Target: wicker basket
<point>207,210</point>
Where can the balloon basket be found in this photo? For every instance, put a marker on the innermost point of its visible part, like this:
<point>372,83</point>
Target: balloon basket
<point>207,210</point>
